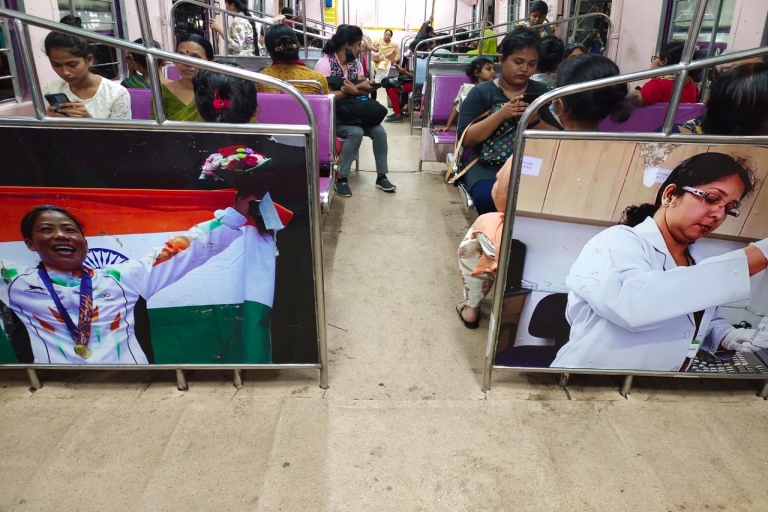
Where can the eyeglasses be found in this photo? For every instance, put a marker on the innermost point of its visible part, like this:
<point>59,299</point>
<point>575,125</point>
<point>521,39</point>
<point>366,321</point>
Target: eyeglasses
<point>711,199</point>
<point>654,57</point>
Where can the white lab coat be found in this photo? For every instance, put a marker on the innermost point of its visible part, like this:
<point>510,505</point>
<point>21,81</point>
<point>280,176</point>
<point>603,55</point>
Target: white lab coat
<point>631,307</point>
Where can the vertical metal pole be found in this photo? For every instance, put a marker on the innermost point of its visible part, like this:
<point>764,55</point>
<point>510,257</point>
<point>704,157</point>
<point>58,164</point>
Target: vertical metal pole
<point>425,11</point>
<point>626,386</point>
<point>238,379</point>
<point>11,60</point>
<point>682,76</point>
<point>181,381</point>
<point>322,16</point>
<point>33,380</point>
<point>455,15</point>
<point>483,15</point>
<point>564,380</point>
<point>29,68</point>
<point>764,391</point>
<point>154,71</point>
<point>711,49</point>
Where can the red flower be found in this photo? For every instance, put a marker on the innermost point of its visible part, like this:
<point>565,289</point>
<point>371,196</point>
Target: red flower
<point>251,160</point>
<point>230,150</point>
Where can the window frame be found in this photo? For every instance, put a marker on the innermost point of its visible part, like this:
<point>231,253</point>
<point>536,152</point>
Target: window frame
<point>9,37</point>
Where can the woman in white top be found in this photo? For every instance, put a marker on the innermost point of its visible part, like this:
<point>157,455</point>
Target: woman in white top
<point>241,33</point>
<point>643,297</point>
<point>90,95</point>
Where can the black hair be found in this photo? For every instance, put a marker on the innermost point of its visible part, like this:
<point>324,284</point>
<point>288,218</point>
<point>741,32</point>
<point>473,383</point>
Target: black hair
<point>445,38</point>
<point>28,221</point>
<point>540,6</point>
<point>574,46</point>
<point>672,52</point>
<point>388,30</point>
<point>240,92</point>
<point>281,42</point>
<point>299,29</point>
<point>738,103</point>
<point>461,34</point>
<point>597,104</point>
<point>189,37</point>
<point>71,44</point>
<point>551,51</point>
<point>694,172</point>
<point>140,58</point>
<point>286,11</point>
<point>476,66</point>
<point>345,34</point>
<point>242,8</point>
<point>519,39</point>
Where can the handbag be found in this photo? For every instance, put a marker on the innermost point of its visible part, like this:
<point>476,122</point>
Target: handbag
<point>497,149</point>
<point>396,81</point>
<point>360,111</point>
<point>356,110</point>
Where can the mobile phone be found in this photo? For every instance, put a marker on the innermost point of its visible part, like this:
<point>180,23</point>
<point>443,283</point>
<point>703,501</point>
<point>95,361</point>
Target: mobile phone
<point>529,97</point>
<point>55,100</point>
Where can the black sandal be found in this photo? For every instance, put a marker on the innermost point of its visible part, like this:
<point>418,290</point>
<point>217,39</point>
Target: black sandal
<point>468,325</point>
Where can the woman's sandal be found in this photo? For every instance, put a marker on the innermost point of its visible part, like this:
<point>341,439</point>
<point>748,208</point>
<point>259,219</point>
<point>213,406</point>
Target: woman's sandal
<point>468,325</point>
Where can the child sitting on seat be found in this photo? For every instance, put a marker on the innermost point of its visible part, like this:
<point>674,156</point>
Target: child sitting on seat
<point>479,71</point>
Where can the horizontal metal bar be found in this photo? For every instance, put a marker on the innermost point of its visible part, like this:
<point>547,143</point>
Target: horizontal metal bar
<point>679,138</point>
<point>6,77</point>
<point>100,124</point>
<point>685,375</point>
<point>157,366</point>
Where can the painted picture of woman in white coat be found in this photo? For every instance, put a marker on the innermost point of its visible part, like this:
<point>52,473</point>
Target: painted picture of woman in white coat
<point>642,298</point>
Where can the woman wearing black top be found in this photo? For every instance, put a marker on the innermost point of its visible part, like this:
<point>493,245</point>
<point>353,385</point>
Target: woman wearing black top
<point>519,56</point>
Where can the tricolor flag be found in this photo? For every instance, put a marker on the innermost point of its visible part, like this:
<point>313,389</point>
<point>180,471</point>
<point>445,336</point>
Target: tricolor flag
<point>218,312</point>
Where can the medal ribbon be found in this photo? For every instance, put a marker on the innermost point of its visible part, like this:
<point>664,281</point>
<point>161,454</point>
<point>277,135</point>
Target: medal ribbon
<point>81,333</point>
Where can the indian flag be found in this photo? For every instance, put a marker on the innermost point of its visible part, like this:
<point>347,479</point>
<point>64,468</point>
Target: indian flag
<point>219,312</point>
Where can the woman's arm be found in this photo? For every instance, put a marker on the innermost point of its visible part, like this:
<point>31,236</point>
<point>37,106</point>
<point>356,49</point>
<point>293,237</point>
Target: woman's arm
<point>482,130</point>
<point>451,118</point>
<point>615,276</point>
<point>121,108</point>
<point>186,251</point>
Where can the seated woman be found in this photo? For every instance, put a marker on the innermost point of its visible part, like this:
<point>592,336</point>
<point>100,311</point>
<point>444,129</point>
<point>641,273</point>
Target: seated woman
<point>385,55</point>
<point>659,89</point>
<point>81,328</point>
<point>223,98</point>
<point>737,104</point>
<point>582,112</point>
<point>490,137</point>
<point>137,63</point>
<point>179,95</point>
<point>574,50</point>
<point>340,60</point>
<point>538,16</point>
<point>396,95</point>
<point>551,55</point>
<point>283,49</point>
<point>642,295</point>
<point>89,94</point>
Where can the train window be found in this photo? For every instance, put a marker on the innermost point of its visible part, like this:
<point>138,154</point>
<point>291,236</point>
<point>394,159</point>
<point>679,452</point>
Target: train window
<point>189,18</point>
<point>103,17</point>
<point>715,30</point>
<point>9,81</point>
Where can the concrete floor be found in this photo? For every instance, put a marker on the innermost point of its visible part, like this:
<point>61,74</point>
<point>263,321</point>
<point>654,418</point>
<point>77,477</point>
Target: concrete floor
<point>404,425</point>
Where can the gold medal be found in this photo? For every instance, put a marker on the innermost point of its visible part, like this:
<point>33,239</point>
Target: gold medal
<point>83,351</point>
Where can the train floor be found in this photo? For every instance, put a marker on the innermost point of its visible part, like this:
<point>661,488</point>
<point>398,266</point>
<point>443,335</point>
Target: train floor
<point>404,425</point>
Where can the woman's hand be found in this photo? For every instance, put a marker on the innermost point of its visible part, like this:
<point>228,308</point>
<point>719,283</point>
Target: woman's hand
<point>513,109</point>
<point>215,25</point>
<point>745,340</point>
<point>50,111</point>
<point>243,204</point>
<point>74,108</point>
<point>350,88</point>
<point>443,129</point>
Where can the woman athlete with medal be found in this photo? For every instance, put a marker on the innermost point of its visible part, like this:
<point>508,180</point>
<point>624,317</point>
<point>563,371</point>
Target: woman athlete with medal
<point>78,315</point>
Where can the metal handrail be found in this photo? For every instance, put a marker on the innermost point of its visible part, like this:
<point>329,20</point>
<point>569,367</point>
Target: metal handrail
<point>665,136</point>
<point>309,131</point>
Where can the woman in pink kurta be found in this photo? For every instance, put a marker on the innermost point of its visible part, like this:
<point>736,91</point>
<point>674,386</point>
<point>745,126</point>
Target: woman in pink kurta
<point>583,111</point>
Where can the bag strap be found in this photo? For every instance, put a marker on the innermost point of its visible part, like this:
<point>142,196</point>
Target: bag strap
<point>456,153</point>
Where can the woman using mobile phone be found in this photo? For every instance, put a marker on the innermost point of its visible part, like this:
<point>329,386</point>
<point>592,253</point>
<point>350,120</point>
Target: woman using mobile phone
<point>89,95</point>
